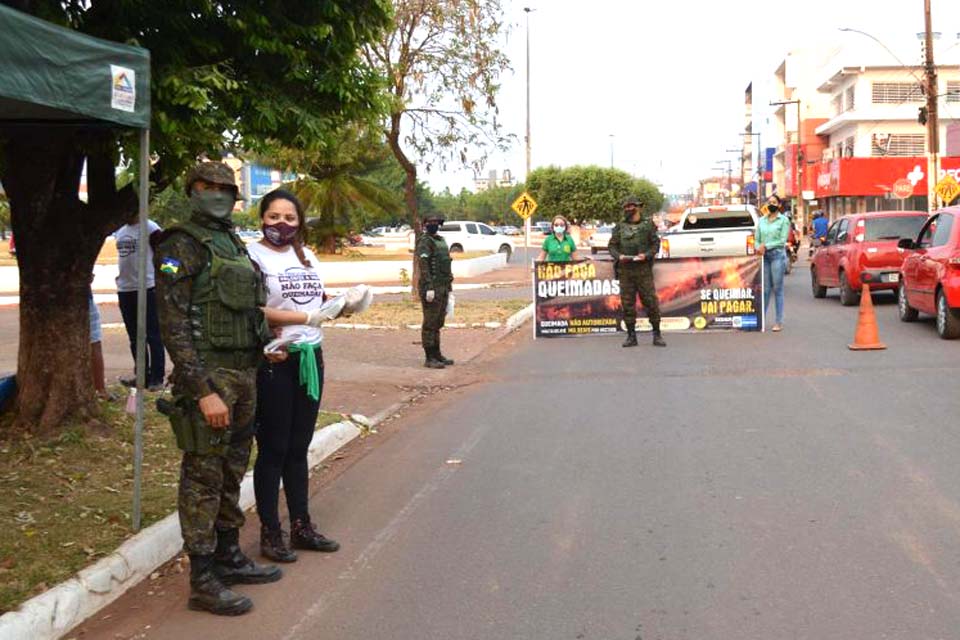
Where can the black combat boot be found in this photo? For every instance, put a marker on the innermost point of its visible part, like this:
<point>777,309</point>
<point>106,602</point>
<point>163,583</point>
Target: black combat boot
<point>439,357</point>
<point>304,536</point>
<point>431,361</point>
<point>208,593</point>
<point>233,567</point>
<point>273,545</point>
<point>631,340</point>
<point>658,339</point>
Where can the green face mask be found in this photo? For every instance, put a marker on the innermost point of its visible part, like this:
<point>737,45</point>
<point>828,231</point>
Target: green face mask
<point>216,204</point>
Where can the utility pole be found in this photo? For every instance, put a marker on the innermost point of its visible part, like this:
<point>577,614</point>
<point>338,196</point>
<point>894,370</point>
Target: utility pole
<point>526,179</point>
<point>611,151</point>
<point>798,170</point>
<point>933,125</point>
<point>759,166</point>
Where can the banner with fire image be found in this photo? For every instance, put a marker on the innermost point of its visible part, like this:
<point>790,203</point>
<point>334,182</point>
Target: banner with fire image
<point>702,294</point>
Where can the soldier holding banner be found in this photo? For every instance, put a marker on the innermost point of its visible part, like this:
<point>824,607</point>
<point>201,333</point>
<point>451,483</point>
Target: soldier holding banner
<point>634,244</point>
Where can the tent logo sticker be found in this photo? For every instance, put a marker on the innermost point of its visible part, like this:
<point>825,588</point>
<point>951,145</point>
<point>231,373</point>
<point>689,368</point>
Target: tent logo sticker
<point>124,94</point>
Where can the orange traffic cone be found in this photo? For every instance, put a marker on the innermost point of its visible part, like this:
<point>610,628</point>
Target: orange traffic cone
<point>866,337</point>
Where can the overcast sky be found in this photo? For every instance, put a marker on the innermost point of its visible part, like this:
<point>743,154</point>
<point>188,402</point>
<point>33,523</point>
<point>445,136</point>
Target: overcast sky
<point>666,78</point>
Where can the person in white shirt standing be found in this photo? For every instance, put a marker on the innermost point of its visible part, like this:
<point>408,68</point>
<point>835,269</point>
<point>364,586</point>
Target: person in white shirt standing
<point>128,261</point>
<point>288,389</point>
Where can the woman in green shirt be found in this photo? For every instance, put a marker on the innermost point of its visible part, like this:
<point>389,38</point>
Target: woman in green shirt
<point>773,229</point>
<point>558,246</point>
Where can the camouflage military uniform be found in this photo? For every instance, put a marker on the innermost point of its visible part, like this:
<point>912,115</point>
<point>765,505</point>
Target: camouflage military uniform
<point>435,275</point>
<point>633,239</point>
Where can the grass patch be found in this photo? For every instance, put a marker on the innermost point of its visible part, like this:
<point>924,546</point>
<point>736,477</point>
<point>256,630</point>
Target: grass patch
<point>467,311</point>
<point>66,502</point>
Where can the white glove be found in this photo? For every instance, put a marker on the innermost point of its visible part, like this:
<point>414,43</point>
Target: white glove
<point>327,311</point>
<point>431,295</point>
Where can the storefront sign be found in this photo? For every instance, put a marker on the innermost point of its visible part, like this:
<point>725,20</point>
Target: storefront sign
<point>877,176</point>
<point>702,294</point>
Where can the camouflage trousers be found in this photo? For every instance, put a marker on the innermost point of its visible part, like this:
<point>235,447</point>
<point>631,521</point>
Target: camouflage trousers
<point>434,314</point>
<point>638,279</point>
<point>209,495</point>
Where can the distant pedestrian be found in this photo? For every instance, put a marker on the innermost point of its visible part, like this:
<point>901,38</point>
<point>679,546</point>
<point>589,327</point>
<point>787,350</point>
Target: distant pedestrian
<point>127,238</point>
<point>558,246</point>
<point>288,388</point>
<point>435,285</point>
<point>773,230</point>
<point>634,244</point>
<point>820,225</point>
<point>96,351</point>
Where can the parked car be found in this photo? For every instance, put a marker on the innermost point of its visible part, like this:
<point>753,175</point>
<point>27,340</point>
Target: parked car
<point>250,235</point>
<point>510,230</point>
<point>862,248</point>
<point>541,227</point>
<point>466,235</point>
<point>723,230</point>
<point>930,273</point>
<point>600,238</point>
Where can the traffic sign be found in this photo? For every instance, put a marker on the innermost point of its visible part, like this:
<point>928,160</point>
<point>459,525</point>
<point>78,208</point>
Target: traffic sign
<point>524,206</point>
<point>947,189</point>
<point>902,189</point>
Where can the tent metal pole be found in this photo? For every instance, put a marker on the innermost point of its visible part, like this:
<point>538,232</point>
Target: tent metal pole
<point>142,242</point>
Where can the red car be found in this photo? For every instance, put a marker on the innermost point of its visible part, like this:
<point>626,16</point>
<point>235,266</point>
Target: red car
<point>862,248</point>
<point>930,275</point>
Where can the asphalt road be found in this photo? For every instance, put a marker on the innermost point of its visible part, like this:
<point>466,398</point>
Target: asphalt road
<point>745,486</point>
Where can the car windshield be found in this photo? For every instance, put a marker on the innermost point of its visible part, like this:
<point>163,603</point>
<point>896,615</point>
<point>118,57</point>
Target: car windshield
<point>717,220</point>
<point>893,228</point>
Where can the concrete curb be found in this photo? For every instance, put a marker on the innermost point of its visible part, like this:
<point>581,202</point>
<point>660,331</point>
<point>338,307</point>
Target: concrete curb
<point>517,319</point>
<point>55,612</point>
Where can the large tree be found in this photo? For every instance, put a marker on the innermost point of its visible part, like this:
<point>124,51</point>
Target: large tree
<point>267,73</point>
<point>442,62</point>
<point>588,192</point>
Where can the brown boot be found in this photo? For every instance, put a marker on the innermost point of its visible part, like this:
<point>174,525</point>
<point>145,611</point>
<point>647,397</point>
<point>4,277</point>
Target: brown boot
<point>304,536</point>
<point>274,546</point>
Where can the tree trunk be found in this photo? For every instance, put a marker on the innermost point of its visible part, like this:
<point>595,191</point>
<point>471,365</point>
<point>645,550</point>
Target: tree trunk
<point>409,194</point>
<point>58,239</point>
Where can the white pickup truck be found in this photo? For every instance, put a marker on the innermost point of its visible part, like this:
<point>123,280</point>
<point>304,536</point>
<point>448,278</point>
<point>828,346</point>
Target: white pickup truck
<point>722,230</point>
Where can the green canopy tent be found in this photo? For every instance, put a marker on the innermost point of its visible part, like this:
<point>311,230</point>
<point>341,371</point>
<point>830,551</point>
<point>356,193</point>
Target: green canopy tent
<point>53,76</point>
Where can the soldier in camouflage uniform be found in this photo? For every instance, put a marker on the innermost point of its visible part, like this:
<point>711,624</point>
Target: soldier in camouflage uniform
<point>634,244</point>
<point>209,297</point>
<point>436,281</point>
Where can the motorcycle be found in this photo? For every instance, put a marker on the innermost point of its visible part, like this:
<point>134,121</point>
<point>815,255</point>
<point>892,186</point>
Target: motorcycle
<point>793,249</point>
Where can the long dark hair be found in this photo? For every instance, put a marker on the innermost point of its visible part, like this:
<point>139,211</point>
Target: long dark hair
<point>300,239</point>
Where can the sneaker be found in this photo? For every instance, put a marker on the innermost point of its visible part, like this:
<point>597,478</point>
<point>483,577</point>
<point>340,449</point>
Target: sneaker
<point>128,382</point>
<point>777,327</point>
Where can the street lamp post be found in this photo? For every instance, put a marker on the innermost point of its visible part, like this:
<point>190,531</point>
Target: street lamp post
<point>743,181</point>
<point>526,223</point>
<point>758,167</point>
<point>611,151</point>
<point>729,178</point>
<point>798,214</point>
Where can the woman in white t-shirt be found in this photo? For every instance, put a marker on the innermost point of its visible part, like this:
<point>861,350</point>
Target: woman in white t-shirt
<point>289,390</point>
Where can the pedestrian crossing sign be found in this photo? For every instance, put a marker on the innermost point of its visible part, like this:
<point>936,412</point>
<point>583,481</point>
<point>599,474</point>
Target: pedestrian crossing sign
<point>524,206</point>
<point>947,189</point>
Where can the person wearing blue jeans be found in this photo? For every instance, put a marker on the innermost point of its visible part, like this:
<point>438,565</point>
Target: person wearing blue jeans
<point>773,229</point>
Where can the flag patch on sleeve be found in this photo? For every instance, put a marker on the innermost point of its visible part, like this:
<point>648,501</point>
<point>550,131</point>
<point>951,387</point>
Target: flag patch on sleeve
<point>170,265</point>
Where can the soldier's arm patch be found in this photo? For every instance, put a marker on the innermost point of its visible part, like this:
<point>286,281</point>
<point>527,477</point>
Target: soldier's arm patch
<point>170,266</point>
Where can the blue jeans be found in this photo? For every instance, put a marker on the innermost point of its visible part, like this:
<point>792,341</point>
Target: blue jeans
<point>774,265</point>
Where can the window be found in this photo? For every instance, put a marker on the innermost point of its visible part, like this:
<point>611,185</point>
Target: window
<point>842,231</point>
<point>487,231</point>
<point>451,227</point>
<point>837,104</point>
<point>893,228</point>
<point>848,147</point>
<point>832,233</point>
<point>926,235</point>
<point>897,144</point>
<point>850,96</point>
<point>942,235</point>
<point>953,90</point>
<point>471,227</point>
<point>896,92</point>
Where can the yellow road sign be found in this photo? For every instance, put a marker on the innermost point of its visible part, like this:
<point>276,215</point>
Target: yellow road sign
<point>947,189</point>
<point>524,206</point>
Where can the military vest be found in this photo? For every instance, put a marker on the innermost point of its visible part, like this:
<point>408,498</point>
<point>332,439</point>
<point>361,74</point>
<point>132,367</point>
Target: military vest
<point>226,298</point>
<point>440,261</point>
<point>634,237</point>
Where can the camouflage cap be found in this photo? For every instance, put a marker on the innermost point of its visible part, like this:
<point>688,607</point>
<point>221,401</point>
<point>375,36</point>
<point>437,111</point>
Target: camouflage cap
<point>634,200</point>
<point>213,172</point>
<point>434,216</point>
